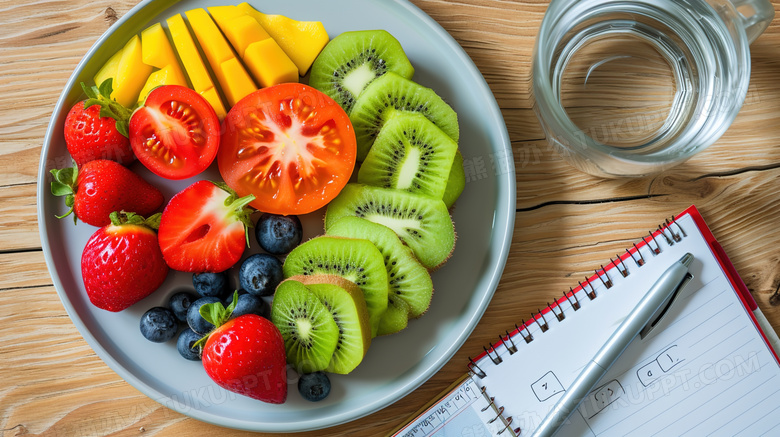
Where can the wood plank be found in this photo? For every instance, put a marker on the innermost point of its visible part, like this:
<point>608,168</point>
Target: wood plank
<point>18,218</point>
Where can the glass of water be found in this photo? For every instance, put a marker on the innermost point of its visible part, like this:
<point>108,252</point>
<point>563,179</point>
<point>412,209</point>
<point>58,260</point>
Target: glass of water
<point>627,88</point>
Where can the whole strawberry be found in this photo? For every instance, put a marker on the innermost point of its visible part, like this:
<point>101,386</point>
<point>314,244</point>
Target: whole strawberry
<point>122,263</point>
<point>203,228</point>
<point>96,128</point>
<point>101,187</point>
<point>246,354</point>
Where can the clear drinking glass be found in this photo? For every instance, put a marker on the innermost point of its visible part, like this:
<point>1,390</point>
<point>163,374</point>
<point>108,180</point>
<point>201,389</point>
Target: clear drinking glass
<point>633,87</point>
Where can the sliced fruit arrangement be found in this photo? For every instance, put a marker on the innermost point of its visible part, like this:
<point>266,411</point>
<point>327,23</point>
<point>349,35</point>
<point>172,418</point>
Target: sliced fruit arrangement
<point>421,222</point>
<point>204,228</point>
<point>122,263</point>
<point>358,261</point>
<point>284,149</point>
<point>101,187</point>
<point>352,60</point>
<point>290,146</point>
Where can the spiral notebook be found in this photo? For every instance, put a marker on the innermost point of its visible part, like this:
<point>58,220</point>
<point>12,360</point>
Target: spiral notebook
<point>708,368</point>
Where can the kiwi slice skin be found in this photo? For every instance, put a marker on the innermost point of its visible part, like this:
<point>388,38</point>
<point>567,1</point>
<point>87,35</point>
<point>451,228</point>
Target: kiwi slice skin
<point>352,60</point>
<point>396,318</point>
<point>310,334</point>
<point>356,260</point>
<point>456,181</point>
<point>408,279</point>
<point>422,222</point>
<point>410,153</point>
<point>345,301</point>
<point>392,93</point>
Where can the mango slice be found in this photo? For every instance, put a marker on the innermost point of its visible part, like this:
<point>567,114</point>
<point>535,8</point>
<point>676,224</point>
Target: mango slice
<point>193,64</point>
<point>128,71</point>
<point>262,55</point>
<point>231,75</point>
<point>302,41</point>
<point>157,52</point>
<point>109,69</point>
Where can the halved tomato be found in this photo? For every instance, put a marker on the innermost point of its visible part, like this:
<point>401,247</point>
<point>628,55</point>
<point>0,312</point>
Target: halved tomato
<point>290,145</point>
<point>175,134</point>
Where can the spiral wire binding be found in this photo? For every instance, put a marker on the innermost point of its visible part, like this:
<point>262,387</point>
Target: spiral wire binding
<point>573,300</point>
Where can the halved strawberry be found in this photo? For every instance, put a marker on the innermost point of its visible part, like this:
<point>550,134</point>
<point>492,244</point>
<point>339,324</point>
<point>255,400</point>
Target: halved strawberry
<point>204,228</point>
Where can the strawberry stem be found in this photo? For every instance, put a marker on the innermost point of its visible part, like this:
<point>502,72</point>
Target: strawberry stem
<point>108,107</point>
<point>217,315</point>
<point>64,184</point>
<point>119,218</point>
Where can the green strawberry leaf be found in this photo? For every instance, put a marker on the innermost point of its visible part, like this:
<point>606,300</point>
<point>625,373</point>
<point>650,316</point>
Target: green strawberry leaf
<point>108,107</point>
<point>217,315</point>
<point>64,184</point>
<point>119,218</point>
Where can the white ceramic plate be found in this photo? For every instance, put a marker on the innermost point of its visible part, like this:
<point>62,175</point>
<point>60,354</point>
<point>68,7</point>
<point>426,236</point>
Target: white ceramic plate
<point>395,365</point>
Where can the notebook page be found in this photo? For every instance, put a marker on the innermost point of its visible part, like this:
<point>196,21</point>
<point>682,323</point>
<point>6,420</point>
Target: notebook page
<point>704,370</point>
<point>462,412</point>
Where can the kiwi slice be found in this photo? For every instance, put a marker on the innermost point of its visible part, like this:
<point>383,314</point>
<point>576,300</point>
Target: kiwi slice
<point>355,260</point>
<point>408,279</point>
<point>456,181</point>
<point>390,94</point>
<point>422,222</point>
<point>395,318</point>
<point>345,301</point>
<point>310,334</point>
<point>410,153</point>
<point>352,60</point>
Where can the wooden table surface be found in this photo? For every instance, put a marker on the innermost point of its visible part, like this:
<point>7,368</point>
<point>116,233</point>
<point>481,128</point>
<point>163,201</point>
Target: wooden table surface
<point>52,383</point>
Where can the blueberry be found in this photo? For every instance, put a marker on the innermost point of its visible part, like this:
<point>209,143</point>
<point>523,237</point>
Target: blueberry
<point>278,234</point>
<point>250,304</point>
<point>314,386</point>
<point>159,325</point>
<point>260,274</point>
<point>180,302</point>
<point>187,338</point>
<point>196,322</point>
<point>210,284</point>
<point>229,297</point>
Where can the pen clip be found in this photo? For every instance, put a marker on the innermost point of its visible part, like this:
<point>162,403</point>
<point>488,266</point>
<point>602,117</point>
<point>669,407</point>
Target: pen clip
<point>659,314</point>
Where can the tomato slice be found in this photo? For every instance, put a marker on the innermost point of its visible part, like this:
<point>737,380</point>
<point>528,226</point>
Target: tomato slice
<point>175,134</point>
<point>290,145</point>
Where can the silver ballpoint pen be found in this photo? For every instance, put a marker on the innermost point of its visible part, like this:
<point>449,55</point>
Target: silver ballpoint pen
<point>640,321</point>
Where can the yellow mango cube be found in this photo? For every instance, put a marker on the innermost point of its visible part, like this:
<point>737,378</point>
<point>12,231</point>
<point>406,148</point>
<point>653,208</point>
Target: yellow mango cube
<point>157,52</point>
<point>231,75</point>
<point>128,71</point>
<point>302,41</point>
<point>267,62</point>
<point>109,69</point>
<point>193,64</point>
<point>131,73</point>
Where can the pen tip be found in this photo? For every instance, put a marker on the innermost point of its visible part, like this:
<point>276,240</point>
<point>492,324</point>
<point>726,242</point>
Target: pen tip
<point>686,259</point>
